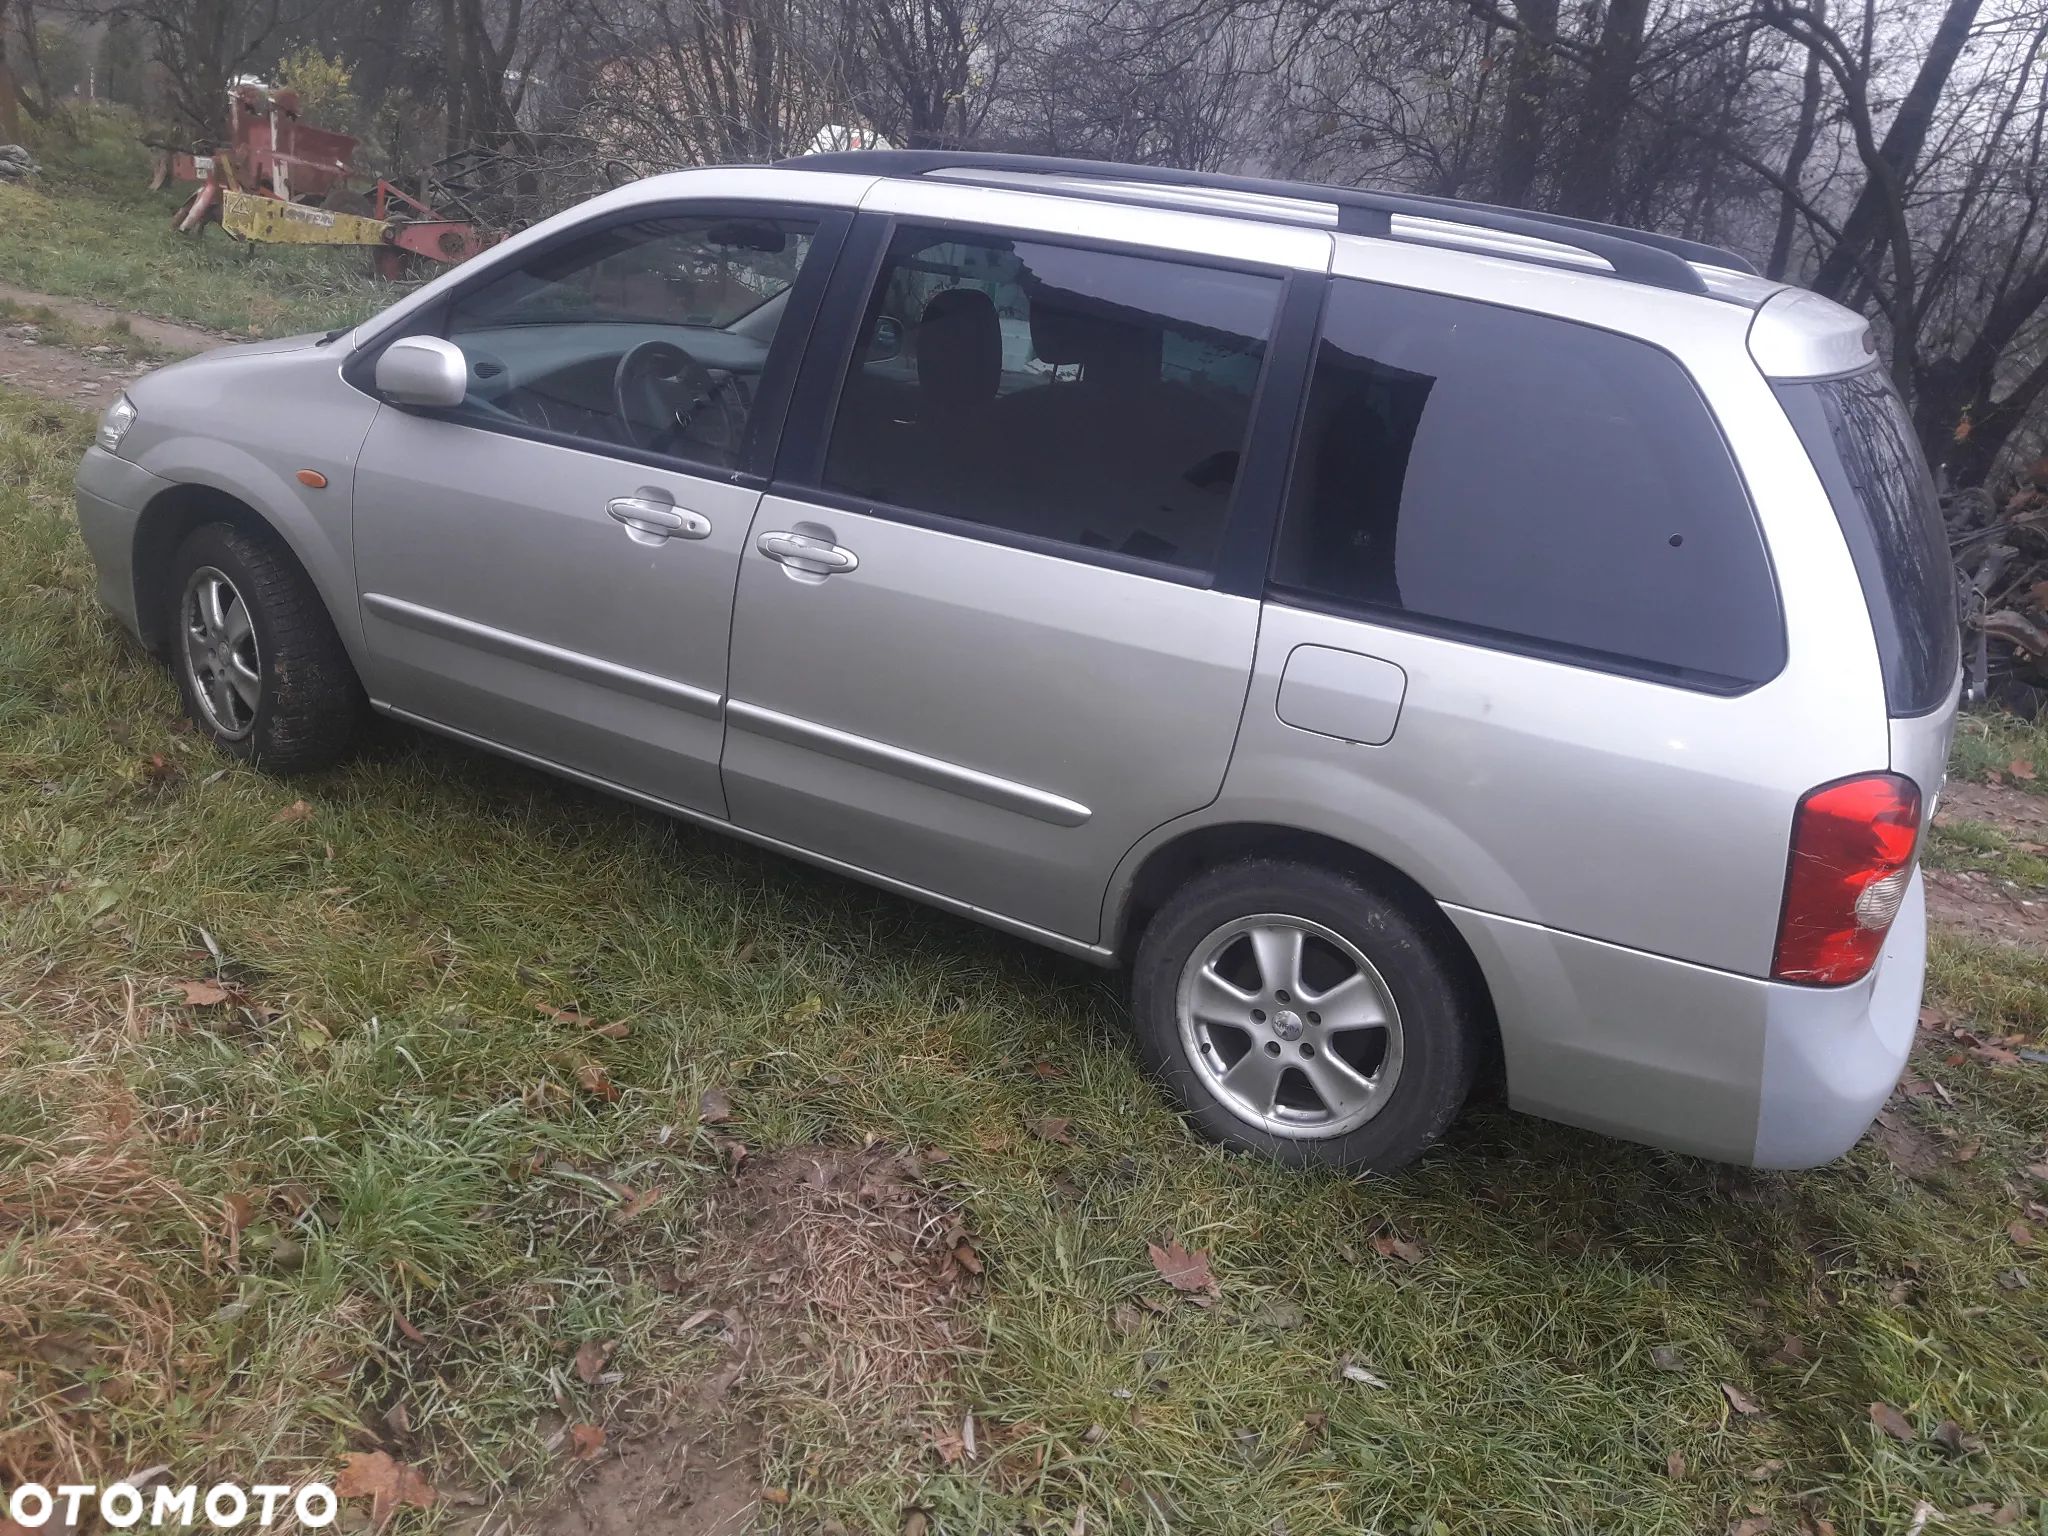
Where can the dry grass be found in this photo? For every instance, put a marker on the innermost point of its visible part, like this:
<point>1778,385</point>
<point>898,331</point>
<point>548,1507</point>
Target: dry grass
<point>845,1276</point>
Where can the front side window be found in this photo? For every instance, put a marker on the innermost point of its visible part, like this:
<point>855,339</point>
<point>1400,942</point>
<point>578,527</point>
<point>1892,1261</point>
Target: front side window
<point>1092,398</point>
<point>1509,476</point>
<point>650,335</point>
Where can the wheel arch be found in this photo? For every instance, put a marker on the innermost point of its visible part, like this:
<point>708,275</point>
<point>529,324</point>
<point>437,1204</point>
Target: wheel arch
<point>1165,868</point>
<point>169,518</point>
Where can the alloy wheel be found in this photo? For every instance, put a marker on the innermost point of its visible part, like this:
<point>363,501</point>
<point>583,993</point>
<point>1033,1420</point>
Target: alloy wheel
<point>220,656</point>
<point>1290,1026</point>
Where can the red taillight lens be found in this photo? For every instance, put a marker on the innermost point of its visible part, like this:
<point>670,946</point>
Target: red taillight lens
<point>1852,856</point>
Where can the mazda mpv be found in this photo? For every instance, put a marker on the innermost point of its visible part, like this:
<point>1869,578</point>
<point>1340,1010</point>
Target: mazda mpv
<point>1422,642</point>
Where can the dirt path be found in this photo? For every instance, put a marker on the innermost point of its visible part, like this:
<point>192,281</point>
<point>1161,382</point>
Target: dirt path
<point>33,359</point>
<point>166,334</point>
<point>1983,905</point>
<point>87,379</point>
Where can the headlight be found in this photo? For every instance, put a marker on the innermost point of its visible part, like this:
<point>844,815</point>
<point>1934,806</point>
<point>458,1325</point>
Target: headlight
<point>115,422</point>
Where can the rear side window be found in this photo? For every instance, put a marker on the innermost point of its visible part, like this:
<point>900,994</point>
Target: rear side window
<point>1528,482</point>
<point>1090,397</point>
<point>1857,433</point>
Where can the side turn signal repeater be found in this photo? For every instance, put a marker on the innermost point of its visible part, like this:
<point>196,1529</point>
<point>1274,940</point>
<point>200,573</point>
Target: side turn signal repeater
<point>314,478</point>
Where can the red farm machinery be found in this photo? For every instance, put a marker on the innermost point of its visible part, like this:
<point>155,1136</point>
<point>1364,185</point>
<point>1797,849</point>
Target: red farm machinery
<point>279,180</point>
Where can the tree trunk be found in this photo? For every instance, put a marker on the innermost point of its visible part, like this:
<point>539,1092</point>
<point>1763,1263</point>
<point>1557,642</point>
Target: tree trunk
<point>1519,152</point>
<point>1586,187</point>
<point>1795,158</point>
<point>1873,217</point>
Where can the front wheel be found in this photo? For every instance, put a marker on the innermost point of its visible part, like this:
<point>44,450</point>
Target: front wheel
<point>1294,1011</point>
<point>260,668</point>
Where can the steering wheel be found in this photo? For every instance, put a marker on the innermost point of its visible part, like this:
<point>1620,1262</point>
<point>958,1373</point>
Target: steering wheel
<point>662,395</point>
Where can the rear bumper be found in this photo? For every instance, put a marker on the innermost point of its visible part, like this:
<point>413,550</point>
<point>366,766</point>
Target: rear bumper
<point>111,495</point>
<point>1702,1061</point>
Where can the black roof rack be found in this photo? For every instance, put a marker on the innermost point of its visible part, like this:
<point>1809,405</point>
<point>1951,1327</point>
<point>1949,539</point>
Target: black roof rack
<point>1659,261</point>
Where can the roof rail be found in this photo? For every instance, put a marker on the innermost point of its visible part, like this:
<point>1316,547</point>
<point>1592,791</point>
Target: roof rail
<point>1658,261</point>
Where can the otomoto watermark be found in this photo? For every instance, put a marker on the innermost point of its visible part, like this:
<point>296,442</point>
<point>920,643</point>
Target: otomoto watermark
<point>124,1506</point>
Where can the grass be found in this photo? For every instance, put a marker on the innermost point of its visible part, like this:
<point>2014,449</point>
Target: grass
<point>1997,748</point>
<point>378,1181</point>
<point>90,228</point>
<point>1977,845</point>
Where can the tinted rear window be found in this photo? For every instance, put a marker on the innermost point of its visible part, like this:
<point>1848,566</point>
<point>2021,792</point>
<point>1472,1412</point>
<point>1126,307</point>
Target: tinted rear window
<point>1527,482</point>
<point>1860,439</point>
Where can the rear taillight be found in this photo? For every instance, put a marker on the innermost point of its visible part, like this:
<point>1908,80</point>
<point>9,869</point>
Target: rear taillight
<point>1852,857</point>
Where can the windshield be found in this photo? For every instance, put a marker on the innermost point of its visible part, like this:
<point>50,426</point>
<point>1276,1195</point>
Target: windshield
<point>1859,437</point>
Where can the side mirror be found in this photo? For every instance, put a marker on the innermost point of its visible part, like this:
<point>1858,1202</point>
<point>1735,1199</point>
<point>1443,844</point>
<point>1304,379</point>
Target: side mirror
<point>887,342</point>
<point>423,370</point>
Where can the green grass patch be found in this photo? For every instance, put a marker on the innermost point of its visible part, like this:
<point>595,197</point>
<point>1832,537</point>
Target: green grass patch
<point>229,1219</point>
<point>90,228</point>
<point>1977,845</point>
<point>1992,747</point>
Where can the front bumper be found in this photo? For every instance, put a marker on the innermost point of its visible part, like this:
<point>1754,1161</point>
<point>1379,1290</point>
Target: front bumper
<point>111,495</point>
<point>1697,1060</point>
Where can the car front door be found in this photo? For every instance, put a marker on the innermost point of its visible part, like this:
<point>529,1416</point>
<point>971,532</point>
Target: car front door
<point>995,620</point>
<point>549,567</point>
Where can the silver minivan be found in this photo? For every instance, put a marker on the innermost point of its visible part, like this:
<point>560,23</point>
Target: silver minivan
<point>1423,642</point>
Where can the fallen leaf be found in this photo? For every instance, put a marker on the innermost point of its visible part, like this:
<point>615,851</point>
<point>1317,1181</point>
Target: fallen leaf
<point>591,1356</point>
<point>405,1327</point>
<point>2020,768</point>
<point>586,1442</point>
<point>2009,1514</point>
<point>1752,1525</point>
<point>1057,1129</point>
<point>596,1082</point>
<point>204,994</point>
<point>951,1448</point>
<point>1391,1245</point>
<point>1358,1373</point>
<point>1736,1400</point>
<point>1763,1472</point>
<point>1126,1319</point>
<point>808,1009</point>
<point>389,1485</point>
<point>1791,1352</point>
<point>1893,1423</point>
<point>298,810</point>
<point>715,1107</point>
<point>776,1496</point>
<point>1674,1465</point>
<point>916,1523</point>
<point>1046,1072</point>
<point>640,1204</point>
<point>1665,1357</point>
<point>1185,1272</point>
<point>1948,1434</point>
<point>2020,1233</point>
<point>965,1256</point>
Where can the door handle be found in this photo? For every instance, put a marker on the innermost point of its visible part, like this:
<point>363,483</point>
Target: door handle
<point>820,557</point>
<point>658,519</point>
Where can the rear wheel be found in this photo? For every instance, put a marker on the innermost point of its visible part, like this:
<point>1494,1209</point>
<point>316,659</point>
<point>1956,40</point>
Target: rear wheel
<point>1295,1011</point>
<point>259,665</point>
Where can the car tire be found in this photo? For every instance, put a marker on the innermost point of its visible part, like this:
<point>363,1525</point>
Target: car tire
<point>1254,1064</point>
<point>259,666</point>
